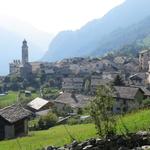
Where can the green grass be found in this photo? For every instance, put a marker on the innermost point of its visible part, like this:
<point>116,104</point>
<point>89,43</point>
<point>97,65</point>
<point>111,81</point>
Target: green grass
<point>135,121</point>
<point>54,136</point>
<point>11,98</point>
<point>8,99</point>
<point>58,136</point>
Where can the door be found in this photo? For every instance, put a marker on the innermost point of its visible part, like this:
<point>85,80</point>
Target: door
<point>2,132</point>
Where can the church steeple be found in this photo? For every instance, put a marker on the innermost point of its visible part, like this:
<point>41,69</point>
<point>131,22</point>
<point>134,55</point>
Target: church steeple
<point>24,52</point>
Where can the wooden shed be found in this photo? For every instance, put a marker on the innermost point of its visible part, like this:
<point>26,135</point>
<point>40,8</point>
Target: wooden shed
<point>13,122</point>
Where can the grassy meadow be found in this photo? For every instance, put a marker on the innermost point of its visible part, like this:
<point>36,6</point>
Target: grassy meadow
<point>54,136</point>
<point>11,98</point>
<point>58,135</point>
<point>8,99</point>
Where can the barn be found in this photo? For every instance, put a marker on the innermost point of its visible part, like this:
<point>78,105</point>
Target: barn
<point>13,122</point>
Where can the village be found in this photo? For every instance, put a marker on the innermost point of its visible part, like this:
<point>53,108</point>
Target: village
<point>77,80</point>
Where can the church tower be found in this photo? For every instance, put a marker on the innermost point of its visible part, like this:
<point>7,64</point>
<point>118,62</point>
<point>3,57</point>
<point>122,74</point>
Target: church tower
<point>24,52</point>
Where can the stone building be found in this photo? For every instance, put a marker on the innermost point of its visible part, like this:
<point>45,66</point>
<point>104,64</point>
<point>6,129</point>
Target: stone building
<point>36,67</point>
<point>73,84</point>
<point>71,102</point>
<point>25,58</point>
<point>14,67</point>
<point>21,67</point>
<point>127,98</point>
<point>138,79</point>
<point>144,57</point>
<point>148,74</point>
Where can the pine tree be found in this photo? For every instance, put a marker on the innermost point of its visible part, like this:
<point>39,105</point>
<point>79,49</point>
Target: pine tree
<point>118,81</point>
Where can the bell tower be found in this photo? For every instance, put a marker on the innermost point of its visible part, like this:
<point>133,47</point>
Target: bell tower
<point>24,52</point>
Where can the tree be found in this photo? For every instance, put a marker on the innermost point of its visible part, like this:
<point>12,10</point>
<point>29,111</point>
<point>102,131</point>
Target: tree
<point>101,110</point>
<point>118,81</point>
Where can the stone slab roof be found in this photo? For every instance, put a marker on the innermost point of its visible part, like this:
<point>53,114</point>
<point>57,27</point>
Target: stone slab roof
<point>74,100</point>
<point>123,92</point>
<point>14,113</point>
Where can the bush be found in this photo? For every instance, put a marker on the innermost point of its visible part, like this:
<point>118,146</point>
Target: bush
<point>73,121</point>
<point>77,120</point>
<point>101,111</point>
<point>50,93</point>
<point>146,102</point>
<point>47,121</point>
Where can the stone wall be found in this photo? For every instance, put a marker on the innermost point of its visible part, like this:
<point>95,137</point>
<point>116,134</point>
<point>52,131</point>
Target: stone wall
<point>132,141</point>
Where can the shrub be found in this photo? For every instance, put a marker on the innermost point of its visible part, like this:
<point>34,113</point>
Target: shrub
<point>146,102</point>
<point>101,111</point>
<point>73,121</point>
<point>47,121</point>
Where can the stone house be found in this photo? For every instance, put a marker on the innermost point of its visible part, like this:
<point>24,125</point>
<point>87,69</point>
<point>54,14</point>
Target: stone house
<point>145,90</point>
<point>144,57</point>
<point>97,81</point>
<point>72,84</point>
<point>127,98</point>
<point>36,67</point>
<point>48,68</point>
<point>111,75</point>
<point>70,102</point>
<point>39,104</point>
<point>138,79</point>
<point>14,67</point>
<point>13,122</point>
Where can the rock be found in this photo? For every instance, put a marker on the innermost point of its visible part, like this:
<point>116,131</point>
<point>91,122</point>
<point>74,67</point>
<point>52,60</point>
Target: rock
<point>146,147</point>
<point>137,148</point>
<point>96,148</point>
<point>62,148</point>
<point>143,133</point>
<point>78,147</point>
<point>92,141</point>
<point>123,148</point>
<point>50,148</point>
<point>74,143</point>
<point>88,147</point>
<point>83,144</point>
<point>134,141</point>
<point>100,142</point>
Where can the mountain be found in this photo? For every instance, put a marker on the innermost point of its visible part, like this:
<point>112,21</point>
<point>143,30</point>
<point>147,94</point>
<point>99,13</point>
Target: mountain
<point>95,36</point>
<point>12,33</point>
<point>137,34</point>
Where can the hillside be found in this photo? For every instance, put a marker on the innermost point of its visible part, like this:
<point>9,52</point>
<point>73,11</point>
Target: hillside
<point>137,34</point>
<point>100,33</point>
<point>38,139</point>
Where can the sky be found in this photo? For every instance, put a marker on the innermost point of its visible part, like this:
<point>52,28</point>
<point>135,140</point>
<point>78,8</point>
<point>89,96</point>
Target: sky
<point>53,16</point>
